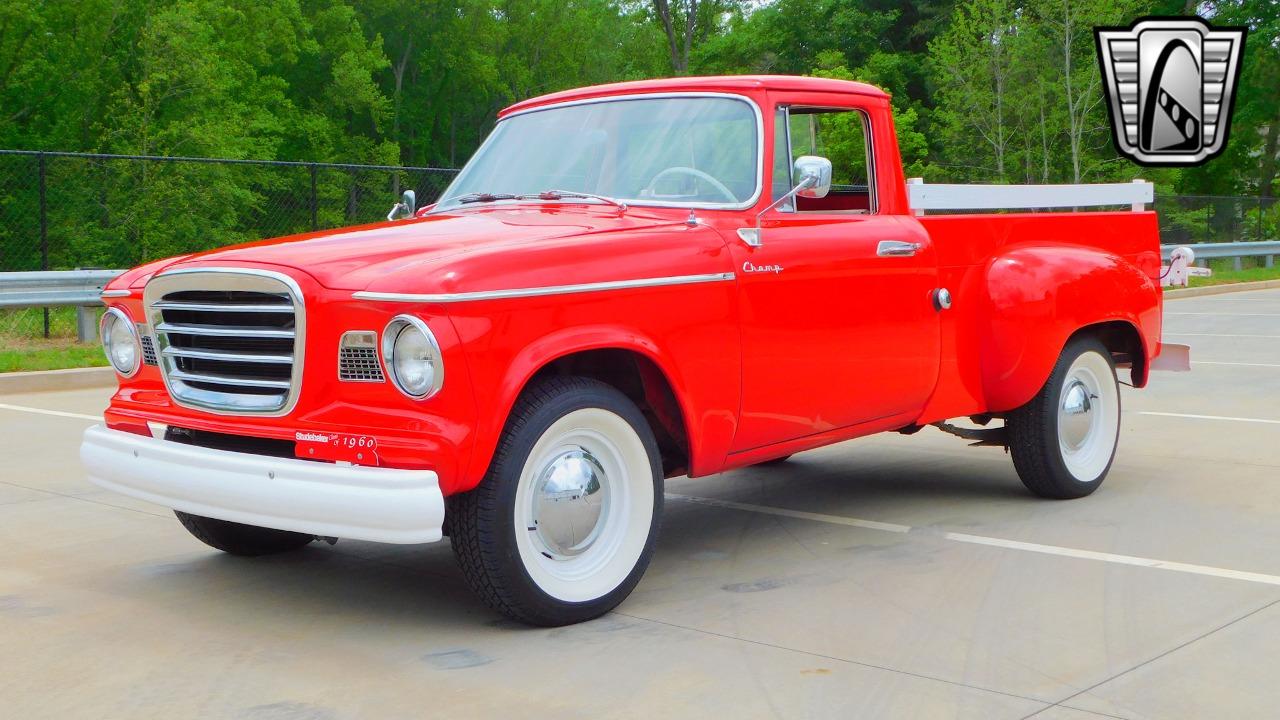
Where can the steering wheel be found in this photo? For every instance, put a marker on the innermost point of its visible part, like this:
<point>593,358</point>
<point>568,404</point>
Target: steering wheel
<point>696,173</point>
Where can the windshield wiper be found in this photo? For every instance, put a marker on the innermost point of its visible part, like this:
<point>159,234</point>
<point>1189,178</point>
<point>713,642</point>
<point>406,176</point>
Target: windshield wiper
<point>483,197</point>
<point>562,194</point>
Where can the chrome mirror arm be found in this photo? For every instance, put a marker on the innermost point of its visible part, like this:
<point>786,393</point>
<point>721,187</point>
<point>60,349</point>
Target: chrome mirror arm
<point>751,236</point>
<point>408,203</point>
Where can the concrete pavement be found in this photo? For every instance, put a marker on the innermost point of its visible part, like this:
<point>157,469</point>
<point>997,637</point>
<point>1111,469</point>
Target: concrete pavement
<point>894,577</point>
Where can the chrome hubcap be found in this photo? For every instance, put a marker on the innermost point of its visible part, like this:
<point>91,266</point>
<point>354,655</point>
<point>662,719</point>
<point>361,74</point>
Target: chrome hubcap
<point>1076,414</point>
<point>568,502</point>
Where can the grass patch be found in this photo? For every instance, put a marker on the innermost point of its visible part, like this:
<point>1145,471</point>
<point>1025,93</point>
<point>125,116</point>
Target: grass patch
<point>23,346</point>
<point>1225,274</point>
<point>24,355</point>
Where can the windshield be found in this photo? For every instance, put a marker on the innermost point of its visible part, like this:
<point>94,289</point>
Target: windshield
<point>698,151</point>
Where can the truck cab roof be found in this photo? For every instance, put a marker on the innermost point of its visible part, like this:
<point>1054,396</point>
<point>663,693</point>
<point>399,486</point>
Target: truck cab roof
<point>720,83</point>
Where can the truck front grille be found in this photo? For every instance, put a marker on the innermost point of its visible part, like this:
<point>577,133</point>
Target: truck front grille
<point>228,340</point>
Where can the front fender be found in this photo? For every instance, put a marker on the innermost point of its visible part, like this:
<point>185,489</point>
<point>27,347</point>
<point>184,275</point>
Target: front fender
<point>707,427</point>
<point>1039,297</point>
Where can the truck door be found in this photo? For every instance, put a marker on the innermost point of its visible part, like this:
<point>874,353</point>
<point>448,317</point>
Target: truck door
<point>838,322</point>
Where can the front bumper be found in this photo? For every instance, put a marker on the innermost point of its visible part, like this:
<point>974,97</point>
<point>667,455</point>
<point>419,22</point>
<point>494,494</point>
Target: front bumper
<point>361,503</point>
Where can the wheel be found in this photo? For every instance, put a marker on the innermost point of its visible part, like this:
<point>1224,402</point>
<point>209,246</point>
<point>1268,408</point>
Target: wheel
<point>237,539</point>
<point>1064,440</point>
<point>562,526</point>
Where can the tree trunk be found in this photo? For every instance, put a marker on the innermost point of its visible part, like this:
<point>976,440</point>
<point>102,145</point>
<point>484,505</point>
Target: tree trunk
<point>1000,140</point>
<point>399,76</point>
<point>1267,178</point>
<point>1044,141</point>
<point>690,20</point>
<point>679,39</point>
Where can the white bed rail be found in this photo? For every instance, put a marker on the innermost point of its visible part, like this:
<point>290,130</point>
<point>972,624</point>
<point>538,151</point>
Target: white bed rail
<point>922,196</point>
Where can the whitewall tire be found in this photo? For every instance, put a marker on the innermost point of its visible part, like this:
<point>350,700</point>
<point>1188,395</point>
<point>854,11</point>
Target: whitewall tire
<point>561,528</point>
<point>1064,441</point>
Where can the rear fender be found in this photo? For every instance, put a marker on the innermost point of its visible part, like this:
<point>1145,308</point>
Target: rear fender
<point>1039,297</point>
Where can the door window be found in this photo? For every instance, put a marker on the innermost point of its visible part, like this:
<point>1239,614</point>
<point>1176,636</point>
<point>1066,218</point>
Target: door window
<point>840,135</point>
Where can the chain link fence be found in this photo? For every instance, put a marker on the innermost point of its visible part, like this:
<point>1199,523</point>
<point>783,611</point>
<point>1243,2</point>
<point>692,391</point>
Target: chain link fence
<point>1186,219</point>
<point>1190,219</point>
<point>66,211</point>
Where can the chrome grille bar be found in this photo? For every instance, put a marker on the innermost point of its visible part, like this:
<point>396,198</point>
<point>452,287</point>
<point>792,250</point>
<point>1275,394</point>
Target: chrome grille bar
<point>213,307</point>
<point>228,380</point>
<point>225,356</point>
<point>229,340</point>
<point>222,330</point>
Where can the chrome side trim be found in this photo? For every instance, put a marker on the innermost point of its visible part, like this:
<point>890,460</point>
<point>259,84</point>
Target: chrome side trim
<point>116,293</point>
<point>541,291</point>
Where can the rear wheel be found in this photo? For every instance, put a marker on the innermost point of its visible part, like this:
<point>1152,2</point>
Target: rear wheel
<point>238,539</point>
<point>1064,440</point>
<point>562,527</point>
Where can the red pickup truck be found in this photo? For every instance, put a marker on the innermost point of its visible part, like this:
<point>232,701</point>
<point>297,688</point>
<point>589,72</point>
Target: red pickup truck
<point>626,283</point>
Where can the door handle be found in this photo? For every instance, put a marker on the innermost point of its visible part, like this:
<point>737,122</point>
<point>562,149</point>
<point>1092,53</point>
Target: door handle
<point>896,248</point>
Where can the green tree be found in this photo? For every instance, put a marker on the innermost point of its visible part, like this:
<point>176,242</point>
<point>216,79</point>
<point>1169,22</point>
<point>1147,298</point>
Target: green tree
<point>972,64</point>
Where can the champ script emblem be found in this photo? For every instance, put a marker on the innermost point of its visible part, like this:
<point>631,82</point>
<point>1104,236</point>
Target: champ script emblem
<point>1170,83</point>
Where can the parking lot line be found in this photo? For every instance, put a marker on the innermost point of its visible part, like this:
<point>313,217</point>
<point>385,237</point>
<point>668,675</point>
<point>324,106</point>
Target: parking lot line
<point>1131,560</point>
<point>1189,334</point>
<point>1210,417</point>
<point>1234,314</point>
<point>55,413</point>
<point>1242,364</point>
<point>797,514</point>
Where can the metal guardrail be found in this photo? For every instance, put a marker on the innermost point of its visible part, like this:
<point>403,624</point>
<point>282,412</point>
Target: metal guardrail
<point>58,288</point>
<point>54,288</point>
<point>1266,249</point>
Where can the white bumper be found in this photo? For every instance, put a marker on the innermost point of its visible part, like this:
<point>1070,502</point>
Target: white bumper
<point>317,498</point>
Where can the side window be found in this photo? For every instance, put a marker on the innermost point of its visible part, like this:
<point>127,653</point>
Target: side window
<point>841,136</point>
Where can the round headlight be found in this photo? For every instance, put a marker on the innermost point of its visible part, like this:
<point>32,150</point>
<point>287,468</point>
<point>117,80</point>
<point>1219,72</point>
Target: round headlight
<point>412,357</point>
<point>120,342</point>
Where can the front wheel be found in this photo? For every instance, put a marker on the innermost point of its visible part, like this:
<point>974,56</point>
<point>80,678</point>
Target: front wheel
<point>238,539</point>
<point>561,528</point>
<point>1064,439</point>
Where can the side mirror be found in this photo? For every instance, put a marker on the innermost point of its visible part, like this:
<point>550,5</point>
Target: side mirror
<point>816,170</point>
<point>812,175</point>
<point>404,209</point>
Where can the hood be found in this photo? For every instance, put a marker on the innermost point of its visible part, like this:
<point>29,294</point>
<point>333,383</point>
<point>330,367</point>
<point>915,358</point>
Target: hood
<point>358,258</point>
